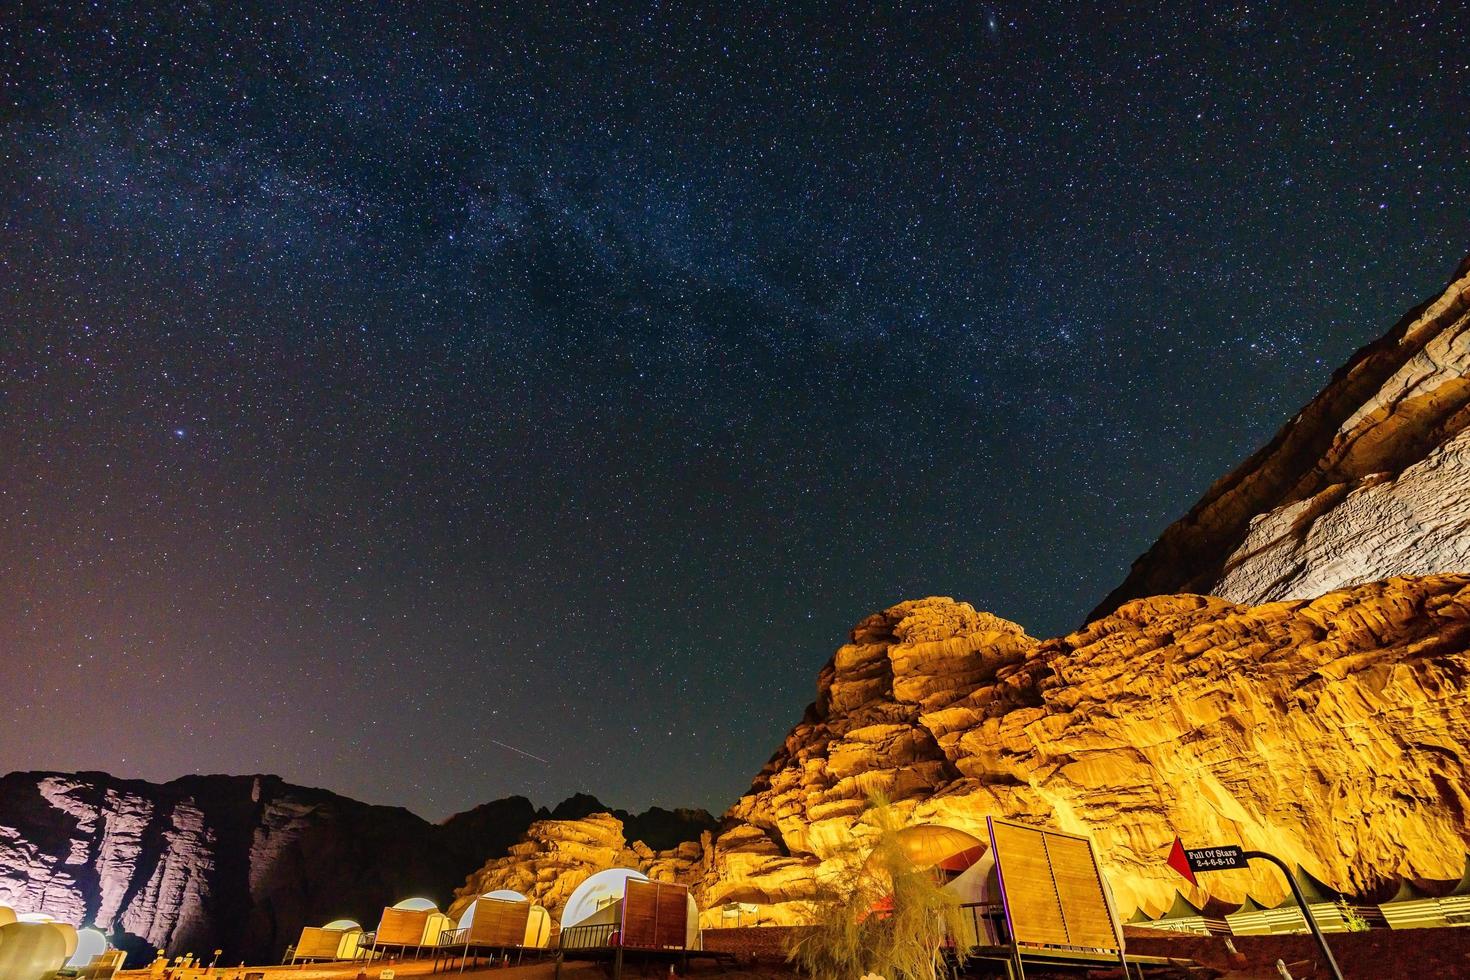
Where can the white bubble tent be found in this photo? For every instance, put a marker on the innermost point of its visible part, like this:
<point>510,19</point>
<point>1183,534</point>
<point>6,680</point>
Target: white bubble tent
<point>34,946</point>
<point>497,924</point>
<point>620,907</point>
<point>340,939</point>
<point>537,932</point>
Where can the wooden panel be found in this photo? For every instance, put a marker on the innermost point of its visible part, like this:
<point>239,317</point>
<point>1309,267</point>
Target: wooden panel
<point>1031,899</point>
<point>655,915</point>
<point>104,966</point>
<point>673,917</point>
<point>499,923</point>
<point>1080,888</point>
<point>403,927</point>
<point>640,914</point>
<point>318,944</point>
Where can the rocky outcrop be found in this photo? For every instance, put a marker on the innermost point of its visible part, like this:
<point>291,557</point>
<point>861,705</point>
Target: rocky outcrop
<point>1334,732</point>
<point>241,863</point>
<point>1370,480</point>
<point>555,856</point>
<point>232,862</point>
<point>656,828</point>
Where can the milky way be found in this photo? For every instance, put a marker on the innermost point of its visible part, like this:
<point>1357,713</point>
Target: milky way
<point>395,397</point>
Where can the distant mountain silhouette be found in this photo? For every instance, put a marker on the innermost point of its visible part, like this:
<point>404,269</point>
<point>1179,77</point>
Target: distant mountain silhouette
<point>241,863</point>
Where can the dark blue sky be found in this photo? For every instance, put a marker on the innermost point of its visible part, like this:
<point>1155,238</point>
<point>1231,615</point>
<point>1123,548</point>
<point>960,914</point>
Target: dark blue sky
<point>383,386</point>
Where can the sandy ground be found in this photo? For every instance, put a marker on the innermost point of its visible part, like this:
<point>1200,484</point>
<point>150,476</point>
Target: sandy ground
<point>1380,954</point>
<point>544,970</point>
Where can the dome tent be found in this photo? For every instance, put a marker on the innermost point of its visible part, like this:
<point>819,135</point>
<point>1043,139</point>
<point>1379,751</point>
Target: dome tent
<point>637,912</point>
<point>413,923</point>
<point>90,943</point>
<point>340,939</point>
<point>501,894</point>
<point>538,921</point>
<point>598,891</point>
<point>34,950</point>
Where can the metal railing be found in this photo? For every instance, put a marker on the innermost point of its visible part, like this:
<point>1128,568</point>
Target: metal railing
<point>985,924</point>
<point>588,937</point>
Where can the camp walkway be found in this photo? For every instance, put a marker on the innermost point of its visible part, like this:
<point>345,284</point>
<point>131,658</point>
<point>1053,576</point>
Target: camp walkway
<point>402,969</point>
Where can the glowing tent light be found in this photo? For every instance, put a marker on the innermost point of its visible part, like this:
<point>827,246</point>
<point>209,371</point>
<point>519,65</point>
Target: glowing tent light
<point>436,926</point>
<point>90,943</point>
<point>416,905</point>
<point>7,915</point>
<point>68,935</point>
<point>35,917</point>
<point>343,924</point>
<point>597,892</point>
<point>31,950</point>
<point>538,928</point>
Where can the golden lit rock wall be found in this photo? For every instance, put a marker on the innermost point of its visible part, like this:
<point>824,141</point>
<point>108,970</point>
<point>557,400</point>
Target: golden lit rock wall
<point>556,855</point>
<point>1332,732</point>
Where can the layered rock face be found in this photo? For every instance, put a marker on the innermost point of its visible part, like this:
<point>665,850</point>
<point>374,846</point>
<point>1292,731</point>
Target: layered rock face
<point>555,857</point>
<point>1333,732</point>
<point>1370,480</point>
<point>239,863</point>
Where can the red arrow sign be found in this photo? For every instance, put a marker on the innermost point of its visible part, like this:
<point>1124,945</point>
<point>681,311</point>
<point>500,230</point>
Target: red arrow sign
<point>1179,861</point>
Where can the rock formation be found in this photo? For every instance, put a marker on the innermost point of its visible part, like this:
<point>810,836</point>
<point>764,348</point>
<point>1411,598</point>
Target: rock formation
<point>1334,732</point>
<point>241,863</point>
<point>556,855</point>
<point>1370,480</point>
<point>1319,708</point>
<point>232,862</point>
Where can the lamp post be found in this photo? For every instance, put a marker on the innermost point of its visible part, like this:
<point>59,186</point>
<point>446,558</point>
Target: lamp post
<point>1301,900</point>
<point>1226,857</point>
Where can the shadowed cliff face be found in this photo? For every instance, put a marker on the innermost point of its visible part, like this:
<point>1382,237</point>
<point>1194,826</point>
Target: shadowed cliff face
<point>232,862</point>
<point>1370,480</point>
<point>241,863</point>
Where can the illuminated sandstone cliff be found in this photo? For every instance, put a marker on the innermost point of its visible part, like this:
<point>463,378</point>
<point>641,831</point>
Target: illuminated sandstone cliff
<point>1370,480</point>
<point>556,855</point>
<point>1333,732</point>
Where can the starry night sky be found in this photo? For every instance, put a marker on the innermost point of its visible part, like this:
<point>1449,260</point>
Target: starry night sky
<point>387,394</point>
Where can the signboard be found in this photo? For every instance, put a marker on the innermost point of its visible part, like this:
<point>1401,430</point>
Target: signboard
<point>1190,861</point>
